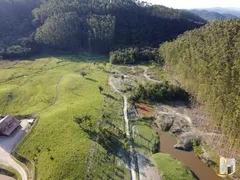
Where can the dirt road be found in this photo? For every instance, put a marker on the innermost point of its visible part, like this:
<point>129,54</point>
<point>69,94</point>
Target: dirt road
<point>125,108</point>
<point>7,144</point>
<point>147,171</point>
<point>3,177</point>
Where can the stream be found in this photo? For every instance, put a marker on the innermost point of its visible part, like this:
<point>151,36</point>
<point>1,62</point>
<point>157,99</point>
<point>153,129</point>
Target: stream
<point>202,171</point>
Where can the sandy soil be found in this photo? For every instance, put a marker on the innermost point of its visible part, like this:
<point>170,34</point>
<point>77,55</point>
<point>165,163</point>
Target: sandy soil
<point>7,144</point>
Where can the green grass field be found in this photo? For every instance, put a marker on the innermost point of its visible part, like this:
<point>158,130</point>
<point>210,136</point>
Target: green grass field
<point>145,139</point>
<point>171,168</point>
<point>54,89</point>
<point>110,164</point>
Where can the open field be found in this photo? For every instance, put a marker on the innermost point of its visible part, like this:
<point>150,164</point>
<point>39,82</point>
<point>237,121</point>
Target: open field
<point>171,168</point>
<point>54,89</point>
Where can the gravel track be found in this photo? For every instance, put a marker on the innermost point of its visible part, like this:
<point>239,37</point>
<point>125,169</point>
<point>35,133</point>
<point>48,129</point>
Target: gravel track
<point>7,144</point>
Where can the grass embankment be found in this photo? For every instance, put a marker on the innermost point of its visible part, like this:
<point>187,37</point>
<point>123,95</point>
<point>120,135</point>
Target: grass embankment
<point>171,169</point>
<point>54,89</point>
<point>145,139</point>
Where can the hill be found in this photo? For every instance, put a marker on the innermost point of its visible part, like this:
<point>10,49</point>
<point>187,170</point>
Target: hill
<point>206,62</point>
<point>54,89</point>
<point>93,25</point>
<point>232,11</point>
<point>16,21</point>
<point>211,16</point>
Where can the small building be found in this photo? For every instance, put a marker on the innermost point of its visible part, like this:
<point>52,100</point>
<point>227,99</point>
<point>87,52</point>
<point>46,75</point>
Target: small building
<point>8,124</point>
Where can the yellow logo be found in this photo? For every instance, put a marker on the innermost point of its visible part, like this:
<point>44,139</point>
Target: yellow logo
<point>227,166</point>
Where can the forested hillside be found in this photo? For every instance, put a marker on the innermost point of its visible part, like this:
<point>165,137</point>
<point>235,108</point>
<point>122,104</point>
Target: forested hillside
<point>211,16</point>
<point>89,25</point>
<point>16,22</point>
<point>206,61</point>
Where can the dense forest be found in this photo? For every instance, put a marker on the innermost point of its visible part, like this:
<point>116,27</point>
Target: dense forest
<point>87,25</point>
<point>206,61</point>
<point>211,16</point>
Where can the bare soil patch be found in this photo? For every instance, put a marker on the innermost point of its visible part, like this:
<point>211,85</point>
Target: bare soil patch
<point>144,109</point>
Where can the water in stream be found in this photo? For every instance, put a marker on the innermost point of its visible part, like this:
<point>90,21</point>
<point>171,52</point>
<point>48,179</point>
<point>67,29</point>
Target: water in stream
<point>202,171</point>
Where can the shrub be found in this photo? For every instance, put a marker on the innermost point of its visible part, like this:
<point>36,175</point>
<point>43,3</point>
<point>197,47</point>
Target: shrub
<point>133,55</point>
<point>15,52</point>
<point>159,92</point>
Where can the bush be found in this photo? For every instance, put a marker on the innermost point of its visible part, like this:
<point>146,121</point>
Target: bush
<point>159,92</point>
<point>133,55</point>
<point>197,148</point>
<point>15,52</point>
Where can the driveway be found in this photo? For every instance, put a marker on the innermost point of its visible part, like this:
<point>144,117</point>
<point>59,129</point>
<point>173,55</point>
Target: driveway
<point>7,144</point>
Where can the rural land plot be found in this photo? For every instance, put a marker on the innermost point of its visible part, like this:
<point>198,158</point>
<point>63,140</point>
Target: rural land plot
<point>57,144</point>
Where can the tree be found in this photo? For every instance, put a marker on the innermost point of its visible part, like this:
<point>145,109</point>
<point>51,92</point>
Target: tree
<point>83,73</point>
<point>93,25</point>
<point>206,62</point>
<point>100,89</point>
<point>80,120</point>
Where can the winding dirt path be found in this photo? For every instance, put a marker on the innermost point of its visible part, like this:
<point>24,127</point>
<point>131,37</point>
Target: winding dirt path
<point>149,78</point>
<point>127,130</point>
<point>56,97</point>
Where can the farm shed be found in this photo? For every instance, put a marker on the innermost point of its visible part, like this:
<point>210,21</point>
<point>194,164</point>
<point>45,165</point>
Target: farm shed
<point>8,124</point>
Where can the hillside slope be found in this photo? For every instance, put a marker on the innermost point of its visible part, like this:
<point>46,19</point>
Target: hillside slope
<point>211,16</point>
<point>206,62</point>
<point>233,11</point>
<point>88,25</point>
<point>16,21</point>
<point>54,89</point>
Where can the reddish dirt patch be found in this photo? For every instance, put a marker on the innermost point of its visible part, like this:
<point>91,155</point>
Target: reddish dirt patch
<point>144,109</point>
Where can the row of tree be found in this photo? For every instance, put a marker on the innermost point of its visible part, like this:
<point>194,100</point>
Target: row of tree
<point>206,61</point>
<point>154,92</point>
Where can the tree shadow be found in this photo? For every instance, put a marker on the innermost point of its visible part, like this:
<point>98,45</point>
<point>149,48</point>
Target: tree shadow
<point>90,79</point>
<point>106,71</point>
<point>110,96</point>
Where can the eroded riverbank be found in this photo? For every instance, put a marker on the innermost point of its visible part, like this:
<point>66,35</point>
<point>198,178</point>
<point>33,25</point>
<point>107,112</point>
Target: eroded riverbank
<point>202,171</point>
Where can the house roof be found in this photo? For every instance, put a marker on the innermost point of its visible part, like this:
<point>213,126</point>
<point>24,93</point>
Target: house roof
<point>8,124</point>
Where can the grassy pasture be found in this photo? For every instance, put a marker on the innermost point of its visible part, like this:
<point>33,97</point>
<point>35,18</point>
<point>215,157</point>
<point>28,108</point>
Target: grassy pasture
<point>53,88</point>
<point>171,168</point>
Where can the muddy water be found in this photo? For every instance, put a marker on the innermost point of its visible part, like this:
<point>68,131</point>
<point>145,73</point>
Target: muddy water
<point>202,171</point>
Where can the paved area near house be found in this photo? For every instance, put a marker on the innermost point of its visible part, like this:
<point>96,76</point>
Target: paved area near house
<point>7,144</point>
<point>3,177</point>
